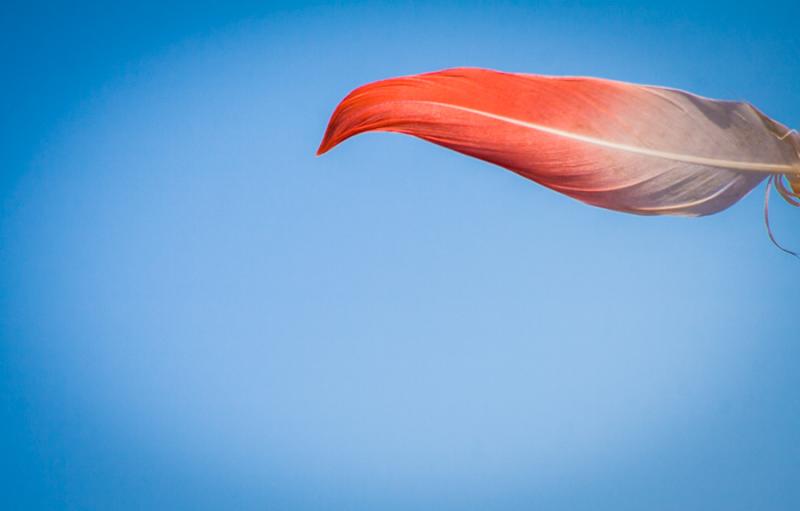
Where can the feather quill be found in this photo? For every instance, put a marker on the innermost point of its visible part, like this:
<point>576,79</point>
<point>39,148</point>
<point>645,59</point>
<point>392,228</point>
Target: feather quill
<point>633,148</point>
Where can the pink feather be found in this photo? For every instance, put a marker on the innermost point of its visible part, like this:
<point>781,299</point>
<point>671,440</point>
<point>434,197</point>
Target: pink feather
<point>632,148</point>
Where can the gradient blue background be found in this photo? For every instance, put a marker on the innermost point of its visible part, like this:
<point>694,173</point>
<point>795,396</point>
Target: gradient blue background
<point>197,313</point>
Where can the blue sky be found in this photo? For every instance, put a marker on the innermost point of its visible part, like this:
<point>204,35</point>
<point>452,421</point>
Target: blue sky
<point>198,313</point>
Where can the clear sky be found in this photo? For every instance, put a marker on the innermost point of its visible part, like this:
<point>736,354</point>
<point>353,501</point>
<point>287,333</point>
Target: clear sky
<point>198,313</point>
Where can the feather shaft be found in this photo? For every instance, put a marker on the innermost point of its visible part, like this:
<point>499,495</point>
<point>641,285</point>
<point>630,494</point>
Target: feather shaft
<point>766,168</point>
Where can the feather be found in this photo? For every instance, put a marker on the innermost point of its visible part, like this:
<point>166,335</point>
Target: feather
<point>632,148</point>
